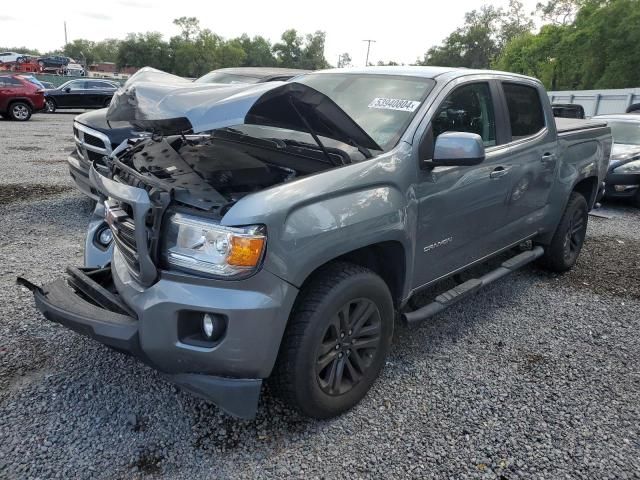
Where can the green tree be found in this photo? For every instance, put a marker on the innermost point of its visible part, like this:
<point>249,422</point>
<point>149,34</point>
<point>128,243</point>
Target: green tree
<point>312,55</point>
<point>558,12</point>
<point>80,50</point>
<point>344,60</point>
<point>514,22</point>
<point>231,54</point>
<point>106,50</point>
<point>145,49</point>
<point>289,50</point>
<point>258,51</point>
<point>189,26</point>
<point>598,49</point>
<point>474,45</point>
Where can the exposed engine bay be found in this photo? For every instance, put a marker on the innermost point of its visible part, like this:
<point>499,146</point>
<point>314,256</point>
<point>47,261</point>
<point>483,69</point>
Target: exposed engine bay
<point>213,171</point>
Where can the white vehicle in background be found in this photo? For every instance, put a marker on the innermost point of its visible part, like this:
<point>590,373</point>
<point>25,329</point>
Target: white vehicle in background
<point>74,70</point>
<point>11,57</point>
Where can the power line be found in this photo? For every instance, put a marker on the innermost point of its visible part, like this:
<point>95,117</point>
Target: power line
<point>366,63</point>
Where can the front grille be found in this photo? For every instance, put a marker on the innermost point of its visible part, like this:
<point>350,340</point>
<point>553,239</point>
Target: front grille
<point>92,140</point>
<point>94,156</point>
<point>91,144</point>
<point>124,233</point>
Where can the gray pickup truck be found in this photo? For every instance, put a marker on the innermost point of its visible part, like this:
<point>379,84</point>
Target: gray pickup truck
<point>278,231</point>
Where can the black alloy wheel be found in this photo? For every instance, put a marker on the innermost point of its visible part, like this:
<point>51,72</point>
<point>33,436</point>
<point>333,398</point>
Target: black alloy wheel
<point>348,347</point>
<point>574,237</point>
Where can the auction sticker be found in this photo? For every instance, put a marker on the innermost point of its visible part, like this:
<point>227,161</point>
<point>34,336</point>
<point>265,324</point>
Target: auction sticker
<point>394,104</point>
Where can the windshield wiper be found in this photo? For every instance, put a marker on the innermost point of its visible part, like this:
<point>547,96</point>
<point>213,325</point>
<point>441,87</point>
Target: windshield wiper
<point>366,153</point>
<point>312,132</point>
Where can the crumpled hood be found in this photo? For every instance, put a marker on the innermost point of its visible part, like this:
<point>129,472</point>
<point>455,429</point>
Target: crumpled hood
<point>167,104</point>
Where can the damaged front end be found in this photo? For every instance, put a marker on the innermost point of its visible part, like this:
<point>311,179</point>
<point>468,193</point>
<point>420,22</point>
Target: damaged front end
<point>163,198</point>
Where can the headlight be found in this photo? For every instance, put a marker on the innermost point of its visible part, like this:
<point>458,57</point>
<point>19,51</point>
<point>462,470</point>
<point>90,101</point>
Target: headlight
<point>631,167</point>
<point>196,244</point>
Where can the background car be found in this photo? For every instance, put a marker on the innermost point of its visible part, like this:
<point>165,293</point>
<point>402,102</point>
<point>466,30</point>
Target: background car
<point>11,57</point>
<point>623,176</point>
<point>81,93</point>
<point>249,75</point>
<point>19,97</point>
<point>74,70</point>
<point>53,61</point>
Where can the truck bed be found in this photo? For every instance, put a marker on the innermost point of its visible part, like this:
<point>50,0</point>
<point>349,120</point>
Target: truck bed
<point>565,125</point>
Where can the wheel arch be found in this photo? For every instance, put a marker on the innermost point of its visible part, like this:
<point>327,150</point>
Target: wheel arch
<point>588,188</point>
<point>585,186</point>
<point>19,99</point>
<point>387,259</point>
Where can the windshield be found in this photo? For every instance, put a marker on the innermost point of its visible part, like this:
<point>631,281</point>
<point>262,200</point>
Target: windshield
<point>221,77</point>
<point>627,133</point>
<point>382,105</point>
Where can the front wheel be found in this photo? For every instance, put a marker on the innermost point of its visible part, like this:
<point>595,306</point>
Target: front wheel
<point>20,111</point>
<point>49,106</point>
<point>336,342</point>
<point>563,251</point>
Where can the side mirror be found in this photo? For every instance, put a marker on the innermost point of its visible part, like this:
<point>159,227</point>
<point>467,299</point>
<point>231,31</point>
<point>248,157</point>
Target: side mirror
<point>457,149</point>
<point>68,89</point>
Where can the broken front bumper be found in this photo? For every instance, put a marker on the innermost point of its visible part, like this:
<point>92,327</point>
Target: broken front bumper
<point>79,171</point>
<point>228,373</point>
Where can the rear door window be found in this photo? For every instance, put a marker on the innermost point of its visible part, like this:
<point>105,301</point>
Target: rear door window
<point>526,116</point>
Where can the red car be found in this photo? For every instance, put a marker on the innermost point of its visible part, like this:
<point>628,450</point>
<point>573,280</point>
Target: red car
<point>20,97</point>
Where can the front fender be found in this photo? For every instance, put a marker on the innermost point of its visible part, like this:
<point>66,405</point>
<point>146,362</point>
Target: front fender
<point>318,218</point>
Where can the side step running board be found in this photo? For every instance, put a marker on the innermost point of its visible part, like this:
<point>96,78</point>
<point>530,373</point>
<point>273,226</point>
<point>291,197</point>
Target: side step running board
<point>470,287</point>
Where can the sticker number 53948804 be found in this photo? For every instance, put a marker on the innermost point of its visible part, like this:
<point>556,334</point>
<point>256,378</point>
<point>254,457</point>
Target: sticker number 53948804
<point>394,104</point>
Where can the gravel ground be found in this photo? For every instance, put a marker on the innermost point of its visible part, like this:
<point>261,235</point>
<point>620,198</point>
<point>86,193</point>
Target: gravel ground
<point>536,377</point>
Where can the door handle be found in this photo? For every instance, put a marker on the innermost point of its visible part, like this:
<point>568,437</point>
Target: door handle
<point>499,172</point>
<point>547,157</point>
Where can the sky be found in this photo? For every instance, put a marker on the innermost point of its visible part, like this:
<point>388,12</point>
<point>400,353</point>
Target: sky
<point>403,30</point>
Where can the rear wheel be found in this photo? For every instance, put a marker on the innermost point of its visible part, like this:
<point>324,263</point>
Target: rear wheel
<point>563,251</point>
<point>636,199</point>
<point>20,111</point>
<point>337,340</point>
<point>49,106</point>
<point>106,103</point>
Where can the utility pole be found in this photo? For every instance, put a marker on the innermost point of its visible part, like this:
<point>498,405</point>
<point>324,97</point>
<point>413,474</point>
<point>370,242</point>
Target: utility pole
<point>65,33</point>
<point>366,63</point>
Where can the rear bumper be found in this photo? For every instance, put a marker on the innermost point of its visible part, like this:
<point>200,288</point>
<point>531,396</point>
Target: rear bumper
<point>79,171</point>
<point>146,324</point>
<point>629,180</point>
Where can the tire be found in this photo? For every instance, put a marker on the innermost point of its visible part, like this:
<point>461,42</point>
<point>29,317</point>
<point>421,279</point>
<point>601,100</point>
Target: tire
<point>313,348</point>
<point>49,106</point>
<point>20,111</point>
<point>106,103</point>
<point>563,251</point>
<point>636,199</point>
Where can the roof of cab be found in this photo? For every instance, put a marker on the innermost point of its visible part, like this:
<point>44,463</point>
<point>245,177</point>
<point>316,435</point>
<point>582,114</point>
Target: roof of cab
<point>419,71</point>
